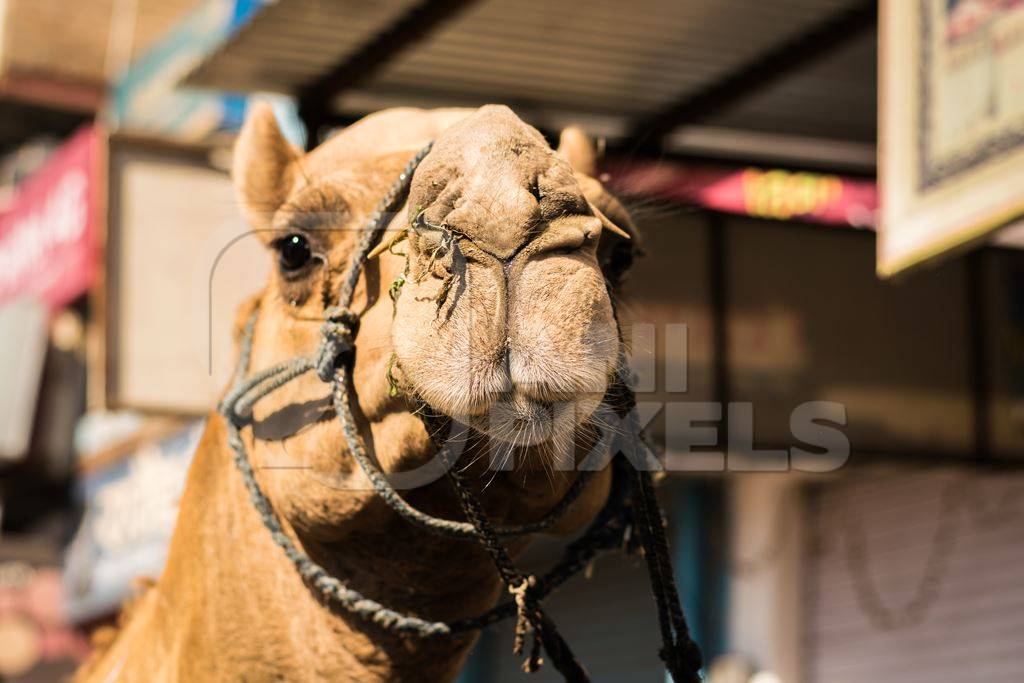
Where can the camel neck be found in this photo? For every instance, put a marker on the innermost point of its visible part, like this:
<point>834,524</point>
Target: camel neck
<point>230,606</point>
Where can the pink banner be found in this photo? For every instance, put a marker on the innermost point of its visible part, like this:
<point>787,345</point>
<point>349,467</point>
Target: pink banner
<point>48,235</point>
<point>765,193</point>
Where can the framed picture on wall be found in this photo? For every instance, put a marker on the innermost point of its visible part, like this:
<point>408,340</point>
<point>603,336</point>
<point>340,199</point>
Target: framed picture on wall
<point>180,260</point>
<point>951,125</point>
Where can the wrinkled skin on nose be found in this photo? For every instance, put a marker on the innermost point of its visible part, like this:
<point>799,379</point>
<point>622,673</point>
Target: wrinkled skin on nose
<point>504,321</point>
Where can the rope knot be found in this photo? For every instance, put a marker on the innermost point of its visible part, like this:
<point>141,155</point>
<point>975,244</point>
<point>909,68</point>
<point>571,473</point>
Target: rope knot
<point>337,343</point>
<point>521,591</point>
<point>527,614</point>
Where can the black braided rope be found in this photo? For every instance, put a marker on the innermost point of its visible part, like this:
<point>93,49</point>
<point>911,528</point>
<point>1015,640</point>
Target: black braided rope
<point>630,503</point>
<point>680,653</point>
<point>544,629</point>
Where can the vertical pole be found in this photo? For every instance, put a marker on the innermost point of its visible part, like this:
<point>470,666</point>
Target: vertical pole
<point>718,293</point>
<point>716,527</point>
<point>701,539</point>
<point>979,353</point>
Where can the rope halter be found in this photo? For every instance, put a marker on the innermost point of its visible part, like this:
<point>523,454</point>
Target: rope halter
<point>630,505</point>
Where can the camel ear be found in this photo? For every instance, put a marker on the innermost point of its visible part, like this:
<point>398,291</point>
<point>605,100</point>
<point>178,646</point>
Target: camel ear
<point>620,244</point>
<point>575,147</point>
<point>602,203</point>
<point>263,169</point>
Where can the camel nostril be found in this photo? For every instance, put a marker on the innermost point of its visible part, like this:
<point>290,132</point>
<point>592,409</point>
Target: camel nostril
<point>504,357</point>
<point>535,191</point>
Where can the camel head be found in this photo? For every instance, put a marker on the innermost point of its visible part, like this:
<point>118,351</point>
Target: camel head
<point>487,299</point>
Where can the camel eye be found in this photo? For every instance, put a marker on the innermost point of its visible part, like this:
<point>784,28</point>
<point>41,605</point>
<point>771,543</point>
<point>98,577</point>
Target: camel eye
<point>293,252</point>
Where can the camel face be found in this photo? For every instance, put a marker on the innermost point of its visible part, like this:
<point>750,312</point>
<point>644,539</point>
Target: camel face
<point>504,321</point>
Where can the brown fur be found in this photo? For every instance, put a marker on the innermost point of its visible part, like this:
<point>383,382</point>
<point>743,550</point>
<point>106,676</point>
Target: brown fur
<point>229,605</point>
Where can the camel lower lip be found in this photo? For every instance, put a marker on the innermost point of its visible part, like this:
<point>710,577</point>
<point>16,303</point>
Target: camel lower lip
<point>520,422</point>
<point>523,421</point>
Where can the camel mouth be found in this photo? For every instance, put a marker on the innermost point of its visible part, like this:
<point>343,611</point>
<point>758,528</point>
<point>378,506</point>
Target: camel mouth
<point>523,422</point>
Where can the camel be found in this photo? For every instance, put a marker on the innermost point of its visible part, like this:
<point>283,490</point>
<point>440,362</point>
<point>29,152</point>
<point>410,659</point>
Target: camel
<point>527,325</point>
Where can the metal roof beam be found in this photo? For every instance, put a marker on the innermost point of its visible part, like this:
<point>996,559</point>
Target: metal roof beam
<point>757,74</point>
<point>417,23</point>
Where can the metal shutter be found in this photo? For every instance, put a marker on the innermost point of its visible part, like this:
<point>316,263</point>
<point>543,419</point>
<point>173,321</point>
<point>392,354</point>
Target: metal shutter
<point>916,577</point>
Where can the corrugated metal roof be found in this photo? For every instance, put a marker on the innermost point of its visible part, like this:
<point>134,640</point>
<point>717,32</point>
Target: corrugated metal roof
<point>609,58</point>
<point>833,98</point>
<point>602,59</point>
<point>291,42</point>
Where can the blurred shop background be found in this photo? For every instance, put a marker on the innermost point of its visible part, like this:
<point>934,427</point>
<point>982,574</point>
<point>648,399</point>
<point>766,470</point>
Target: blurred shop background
<point>828,193</point>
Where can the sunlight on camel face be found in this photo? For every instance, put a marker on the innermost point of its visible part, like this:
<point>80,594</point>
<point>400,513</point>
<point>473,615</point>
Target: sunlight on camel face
<point>504,321</point>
